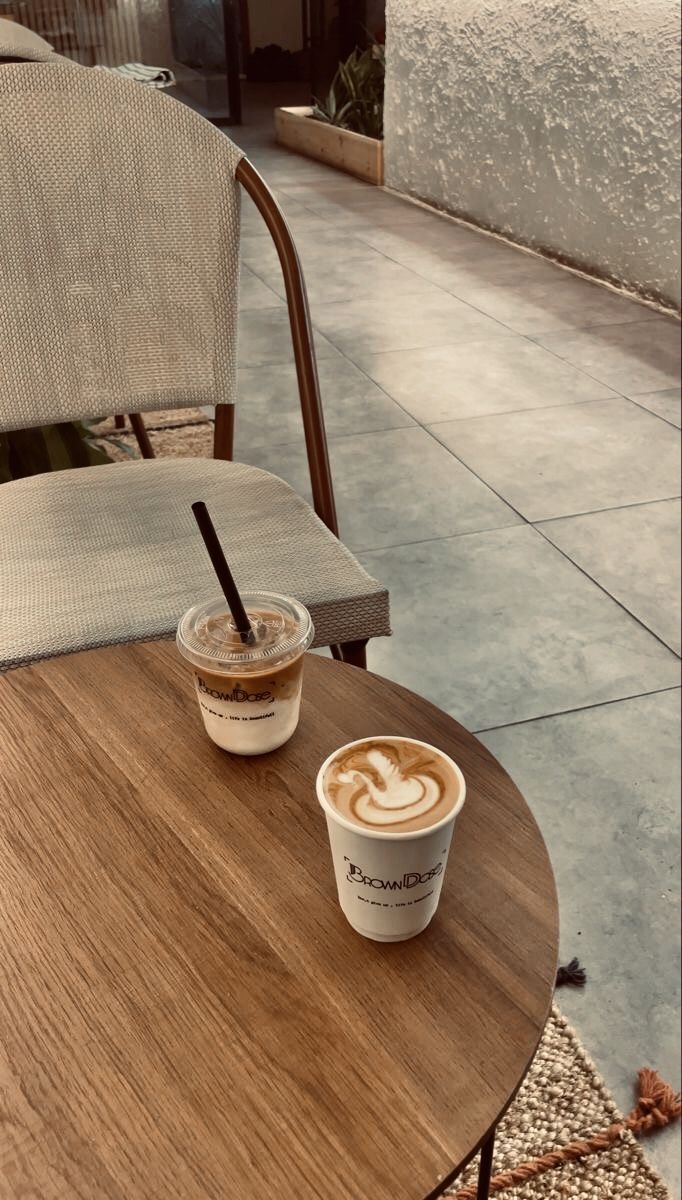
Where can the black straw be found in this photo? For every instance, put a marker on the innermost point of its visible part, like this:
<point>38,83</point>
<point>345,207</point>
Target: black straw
<point>223,572</point>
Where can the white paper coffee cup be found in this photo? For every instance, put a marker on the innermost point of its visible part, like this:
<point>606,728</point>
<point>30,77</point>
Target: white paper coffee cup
<point>389,884</point>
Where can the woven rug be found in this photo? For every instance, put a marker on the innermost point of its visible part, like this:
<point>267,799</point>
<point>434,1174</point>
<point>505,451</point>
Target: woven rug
<point>563,1097</point>
<point>175,433</point>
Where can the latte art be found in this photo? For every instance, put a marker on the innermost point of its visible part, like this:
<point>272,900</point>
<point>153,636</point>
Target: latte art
<point>392,785</point>
<point>398,796</point>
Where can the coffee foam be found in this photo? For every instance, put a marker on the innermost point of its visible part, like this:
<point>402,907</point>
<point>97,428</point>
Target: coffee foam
<point>391,786</point>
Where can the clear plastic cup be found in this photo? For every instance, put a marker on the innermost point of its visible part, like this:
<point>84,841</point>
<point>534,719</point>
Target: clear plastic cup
<point>249,695</point>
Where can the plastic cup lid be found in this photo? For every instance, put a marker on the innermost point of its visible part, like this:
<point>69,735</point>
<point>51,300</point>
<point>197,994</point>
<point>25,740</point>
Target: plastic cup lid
<point>207,635</point>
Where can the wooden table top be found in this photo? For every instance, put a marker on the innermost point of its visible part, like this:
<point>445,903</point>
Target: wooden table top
<point>184,1011</point>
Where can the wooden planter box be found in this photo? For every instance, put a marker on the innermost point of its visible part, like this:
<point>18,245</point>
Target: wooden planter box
<point>351,152</point>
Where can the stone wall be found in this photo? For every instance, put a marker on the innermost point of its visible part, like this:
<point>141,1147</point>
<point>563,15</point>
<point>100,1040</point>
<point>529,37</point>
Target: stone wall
<point>554,122</point>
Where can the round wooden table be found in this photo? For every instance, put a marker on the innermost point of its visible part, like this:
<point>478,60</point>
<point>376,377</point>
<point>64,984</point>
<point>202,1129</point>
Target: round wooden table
<point>184,1012</point>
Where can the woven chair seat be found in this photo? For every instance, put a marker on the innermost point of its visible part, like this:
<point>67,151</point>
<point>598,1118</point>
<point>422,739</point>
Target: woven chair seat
<point>110,554</point>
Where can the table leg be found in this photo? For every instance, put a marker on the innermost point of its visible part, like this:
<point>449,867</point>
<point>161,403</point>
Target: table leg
<point>485,1168</point>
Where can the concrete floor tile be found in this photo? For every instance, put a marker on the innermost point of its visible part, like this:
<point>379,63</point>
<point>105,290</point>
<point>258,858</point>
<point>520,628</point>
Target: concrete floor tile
<point>297,215</point>
<point>562,302</point>
<point>315,247</point>
<point>634,554</point>
<point>508,630</point>
<point>341,187</point>
<point>269,409</point>
<point>441,383</point>
<point>394,486</point>
<point>253,293</point>
<point>360,327</point>
<point>335,275</point>
<point>577,458</point>
<point>285,169</point>
<point>346,207</point>
<point>436,237</point>
<point>265,337</point>
<point>666,404</point>
<point>460,260</point>
<point>641,356</point>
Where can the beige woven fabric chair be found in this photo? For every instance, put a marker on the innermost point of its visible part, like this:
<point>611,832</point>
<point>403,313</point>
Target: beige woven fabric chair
<point>18,42</point>
<point>119,238</point>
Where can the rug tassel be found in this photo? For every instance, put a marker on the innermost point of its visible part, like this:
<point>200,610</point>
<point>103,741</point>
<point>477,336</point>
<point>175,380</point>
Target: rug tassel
<point>657,1107</point>
<point>572,974</point>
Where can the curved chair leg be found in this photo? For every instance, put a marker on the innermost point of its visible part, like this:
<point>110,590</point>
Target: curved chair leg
<point>354,653</point>
<point>119,422</point>
<point>302,338</point>
<point>140,431</point>
<point>223,432</point>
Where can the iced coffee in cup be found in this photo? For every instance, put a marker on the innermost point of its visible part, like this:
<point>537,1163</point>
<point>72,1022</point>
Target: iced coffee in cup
<point>249,693</point>
<point>391,805</point>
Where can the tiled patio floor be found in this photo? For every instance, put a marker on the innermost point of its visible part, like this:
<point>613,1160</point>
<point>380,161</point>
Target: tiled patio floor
<point>505,445</point>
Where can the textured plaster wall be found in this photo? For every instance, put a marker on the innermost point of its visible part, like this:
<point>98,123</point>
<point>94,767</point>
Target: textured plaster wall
<point>552,121</point>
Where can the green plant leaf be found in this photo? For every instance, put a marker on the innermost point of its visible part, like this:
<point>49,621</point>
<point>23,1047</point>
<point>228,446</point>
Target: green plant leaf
<point>343,115</point>
<point>350,81</point>
<point>356,96</point>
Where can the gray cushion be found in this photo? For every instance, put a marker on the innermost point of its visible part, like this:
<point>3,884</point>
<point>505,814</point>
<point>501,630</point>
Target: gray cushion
<point>100,555</point>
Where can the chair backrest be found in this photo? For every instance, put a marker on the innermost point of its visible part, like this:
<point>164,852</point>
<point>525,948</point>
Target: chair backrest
<point>16,41</point>
<point>119,246</point>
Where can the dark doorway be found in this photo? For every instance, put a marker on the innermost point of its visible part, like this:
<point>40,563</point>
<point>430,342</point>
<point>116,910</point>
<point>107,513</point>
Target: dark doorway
<point>294,43</point>
<point>335,28</point>
<point>205,38</point>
